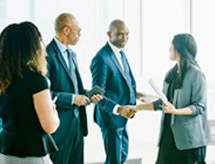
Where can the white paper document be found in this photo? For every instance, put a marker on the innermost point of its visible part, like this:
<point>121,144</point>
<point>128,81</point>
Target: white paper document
<point>149,98</point>
<point>157,90</point>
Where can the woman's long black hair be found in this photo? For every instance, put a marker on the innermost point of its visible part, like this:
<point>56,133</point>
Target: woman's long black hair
<point>186,46</point>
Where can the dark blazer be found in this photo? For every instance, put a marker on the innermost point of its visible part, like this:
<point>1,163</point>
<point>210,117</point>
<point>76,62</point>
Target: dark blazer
<point>108,74</point>
<point>189,131</point>
<point>62,85</point>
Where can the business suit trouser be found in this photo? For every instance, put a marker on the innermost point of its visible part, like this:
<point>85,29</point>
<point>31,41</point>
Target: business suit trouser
<point>71,150</point>
<point>116,145</point>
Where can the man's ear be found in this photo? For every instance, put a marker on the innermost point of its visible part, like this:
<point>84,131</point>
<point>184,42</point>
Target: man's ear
<point>66,30</point>
<point>109,34</point>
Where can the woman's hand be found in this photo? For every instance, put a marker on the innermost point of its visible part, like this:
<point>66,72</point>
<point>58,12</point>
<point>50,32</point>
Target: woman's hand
<point>138,107</point>
<point>169,108</point>
<point>180,111</point>
<point>147,106</point>
<point>139,95</point>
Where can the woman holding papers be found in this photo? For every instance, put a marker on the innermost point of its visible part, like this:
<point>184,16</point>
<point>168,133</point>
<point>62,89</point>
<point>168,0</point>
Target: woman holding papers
<point>183,125</point>
<point>26,108</point>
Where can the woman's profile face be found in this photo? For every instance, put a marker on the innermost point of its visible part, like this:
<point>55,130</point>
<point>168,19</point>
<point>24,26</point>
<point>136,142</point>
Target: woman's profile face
<point>173,53</point>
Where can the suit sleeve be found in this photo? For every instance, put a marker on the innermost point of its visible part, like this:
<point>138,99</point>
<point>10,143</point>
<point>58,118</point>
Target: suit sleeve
<point>99,70</point>
<point>198,95</point>
<point>157,105</point>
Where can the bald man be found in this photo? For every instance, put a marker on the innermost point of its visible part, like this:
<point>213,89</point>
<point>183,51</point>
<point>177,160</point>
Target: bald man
<point>111,71</point>
<point>66,85</point>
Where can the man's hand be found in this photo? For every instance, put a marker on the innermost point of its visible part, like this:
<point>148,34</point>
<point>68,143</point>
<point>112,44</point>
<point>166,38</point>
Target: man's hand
<point>127,111</point>
<point>96,98</point>
<point>139,94</point>
<point>80,100</point>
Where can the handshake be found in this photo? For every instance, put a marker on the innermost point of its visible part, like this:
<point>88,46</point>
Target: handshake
<point>127,111</point>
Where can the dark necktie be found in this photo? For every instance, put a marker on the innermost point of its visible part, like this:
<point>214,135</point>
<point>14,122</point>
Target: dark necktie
<point>128,78</point>
<point>72,71</point>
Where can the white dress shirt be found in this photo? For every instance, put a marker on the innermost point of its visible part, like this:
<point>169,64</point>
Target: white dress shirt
<point>116,52</point>
<point>62,49</point>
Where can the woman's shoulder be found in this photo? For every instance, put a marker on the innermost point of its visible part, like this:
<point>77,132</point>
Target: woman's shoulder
<point>33,77</point>
<point>31,74</point>
<point>194,69</point>
<point>195,72</point>
<point>35,81</point>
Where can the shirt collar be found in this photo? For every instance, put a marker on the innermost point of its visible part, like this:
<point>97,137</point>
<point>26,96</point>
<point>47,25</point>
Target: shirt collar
<point>60,45</point>
<point>115,49</point>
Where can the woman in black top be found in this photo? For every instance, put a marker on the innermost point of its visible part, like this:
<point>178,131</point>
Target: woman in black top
<point>183,125</point>
<point>26,108</point>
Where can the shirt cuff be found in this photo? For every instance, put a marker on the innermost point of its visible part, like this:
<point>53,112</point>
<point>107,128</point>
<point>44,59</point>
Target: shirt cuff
<point>72,99</point>
<point>115,110</point>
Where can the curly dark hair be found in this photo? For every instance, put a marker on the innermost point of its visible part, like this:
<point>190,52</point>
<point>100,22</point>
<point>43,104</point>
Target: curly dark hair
<point>21,47</point>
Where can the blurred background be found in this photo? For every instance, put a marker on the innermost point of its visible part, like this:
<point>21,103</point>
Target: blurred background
<point>152,25</point>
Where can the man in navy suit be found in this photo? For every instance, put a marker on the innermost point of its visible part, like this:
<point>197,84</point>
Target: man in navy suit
<point>66,84</point>
<point>111,71</point>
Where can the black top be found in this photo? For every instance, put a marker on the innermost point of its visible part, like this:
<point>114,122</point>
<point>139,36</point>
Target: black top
<point>21,133</point>
<point>170,96</point>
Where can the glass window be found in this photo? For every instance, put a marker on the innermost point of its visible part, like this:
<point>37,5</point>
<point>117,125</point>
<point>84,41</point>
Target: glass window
<point>152,25</point>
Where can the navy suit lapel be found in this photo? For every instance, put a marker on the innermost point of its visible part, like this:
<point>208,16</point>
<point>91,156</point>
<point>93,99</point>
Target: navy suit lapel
<point>61,60</point>
<point>115,60</point>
